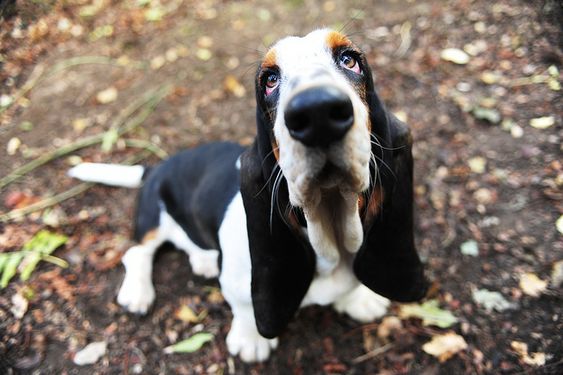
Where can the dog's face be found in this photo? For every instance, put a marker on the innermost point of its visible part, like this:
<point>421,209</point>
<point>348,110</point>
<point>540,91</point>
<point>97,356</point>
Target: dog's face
<point>313,91</point>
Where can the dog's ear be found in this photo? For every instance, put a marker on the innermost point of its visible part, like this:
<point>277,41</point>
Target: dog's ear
<point>388,262</point>
<point>282,266</point>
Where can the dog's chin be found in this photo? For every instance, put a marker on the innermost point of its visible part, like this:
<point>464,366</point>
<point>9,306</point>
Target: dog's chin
<point>308,190</point>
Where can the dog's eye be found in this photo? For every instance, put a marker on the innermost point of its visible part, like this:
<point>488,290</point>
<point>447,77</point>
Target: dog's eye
<point>349,62</point>
<point>272,81</point>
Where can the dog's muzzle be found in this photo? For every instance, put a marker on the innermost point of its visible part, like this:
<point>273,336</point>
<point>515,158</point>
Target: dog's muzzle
<point>319,116</point>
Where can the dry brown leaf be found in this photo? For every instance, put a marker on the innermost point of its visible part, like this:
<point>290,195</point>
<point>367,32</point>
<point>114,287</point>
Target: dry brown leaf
<point>533,359</point>
<point>107,96</point>
<point>445,346</point>
<point>532,285</point>
<point>233,86</point>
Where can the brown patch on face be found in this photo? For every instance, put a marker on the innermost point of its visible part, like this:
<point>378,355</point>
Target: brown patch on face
<point>335,40</point>
<point>369,210</point>
<point>375,201</point>
<point>149,236</point>
<point>276,150</point>
<point>269,59</point>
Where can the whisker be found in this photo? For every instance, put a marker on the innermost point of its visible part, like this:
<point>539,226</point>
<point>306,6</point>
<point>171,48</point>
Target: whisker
<point>273,197</point>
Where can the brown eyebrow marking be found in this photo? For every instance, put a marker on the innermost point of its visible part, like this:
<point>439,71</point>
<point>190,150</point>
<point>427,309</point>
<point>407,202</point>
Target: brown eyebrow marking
<point>269,59</point>
<point>334,40</point>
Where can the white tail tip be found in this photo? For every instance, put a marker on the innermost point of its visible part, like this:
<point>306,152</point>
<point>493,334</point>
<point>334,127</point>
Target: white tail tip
<point>130,176</point>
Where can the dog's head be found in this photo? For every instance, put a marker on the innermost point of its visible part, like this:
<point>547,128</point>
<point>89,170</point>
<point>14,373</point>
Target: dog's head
<point>313,94</point>
<point>326,146</point>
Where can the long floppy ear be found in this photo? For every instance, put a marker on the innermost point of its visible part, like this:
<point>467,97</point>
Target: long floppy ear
<point>388,262</point>
<point>282,265</point>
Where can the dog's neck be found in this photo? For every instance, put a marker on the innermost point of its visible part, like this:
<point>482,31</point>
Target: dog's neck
<point>334,228</point>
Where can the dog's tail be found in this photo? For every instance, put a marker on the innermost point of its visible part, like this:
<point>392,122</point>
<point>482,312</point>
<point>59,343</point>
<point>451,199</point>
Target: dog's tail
<point>130,176</point>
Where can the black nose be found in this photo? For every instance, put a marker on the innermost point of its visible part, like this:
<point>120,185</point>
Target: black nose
<point>319,116</point>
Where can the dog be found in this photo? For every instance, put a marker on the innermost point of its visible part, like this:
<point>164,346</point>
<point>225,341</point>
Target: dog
<point>318,210</point>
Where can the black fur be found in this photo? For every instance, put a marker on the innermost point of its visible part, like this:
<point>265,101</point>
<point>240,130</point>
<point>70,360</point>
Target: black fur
<point>195,186</point>
<point>283,265</point>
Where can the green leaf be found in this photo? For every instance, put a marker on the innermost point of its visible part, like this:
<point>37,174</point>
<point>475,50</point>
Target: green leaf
<point>40,246</point>
<point>191,344</point>
<point>470,248</point>
<point>10,268</point>
<point>491,115</point>
<point>3,261</point>
<point>430,313</point>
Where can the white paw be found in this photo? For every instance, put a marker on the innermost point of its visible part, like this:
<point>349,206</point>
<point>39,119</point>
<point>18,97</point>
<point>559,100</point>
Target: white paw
<point>136,294</point>
<point>205,263</point>
<point>362,305</point>
<point>246,342</point>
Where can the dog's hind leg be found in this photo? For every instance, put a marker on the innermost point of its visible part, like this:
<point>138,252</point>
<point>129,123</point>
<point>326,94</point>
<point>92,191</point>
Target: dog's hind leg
<point>137,291</point>
<point>204,262</point>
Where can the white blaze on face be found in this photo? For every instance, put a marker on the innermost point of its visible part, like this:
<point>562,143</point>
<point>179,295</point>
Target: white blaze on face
<point>330,204</point>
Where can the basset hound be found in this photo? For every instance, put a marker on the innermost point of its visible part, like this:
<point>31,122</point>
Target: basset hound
<point>318,210</point>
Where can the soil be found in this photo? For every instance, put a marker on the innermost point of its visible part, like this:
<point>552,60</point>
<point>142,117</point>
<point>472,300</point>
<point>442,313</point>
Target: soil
<point>482,173</point>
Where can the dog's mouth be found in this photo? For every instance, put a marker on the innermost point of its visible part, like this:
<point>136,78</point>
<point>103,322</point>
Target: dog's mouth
<point>330,176</point>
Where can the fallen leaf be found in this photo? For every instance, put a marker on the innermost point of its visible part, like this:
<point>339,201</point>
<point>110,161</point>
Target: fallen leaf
<point>491,115</point>
<point>489,77</point>
<point>154,14</point>
<point>477,164</point>
<point>516,131</point>
<point>233,86</point>
<point>430,313</point>
<point>445,346</point>
<point>157,62</point>
<point>455,55</point>
<point>19,305</point>
<point>41,245</point>
<point>557,274</point>
<point>203,54</point>
<point>491,300</point>
<point>8,267</point>
<point>190,345</point>
<point>559,224</point>
<point>5,100</point>
<point>521,348</point>
<point>107,96</point>
<point>542,122</point>
<point>388,325</point>
<point>90,354</point>
<point>532,285</point>
<point>187,315</point>
<point>470,248</point>
<point>13,146</point>
<point>205,41</point>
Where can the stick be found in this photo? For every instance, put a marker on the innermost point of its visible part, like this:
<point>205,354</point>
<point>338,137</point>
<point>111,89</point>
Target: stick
<point>149,101</point>
<point>149,146</point>
<point>374,353</point>
<point>39,74</point>
<point>61,197</point>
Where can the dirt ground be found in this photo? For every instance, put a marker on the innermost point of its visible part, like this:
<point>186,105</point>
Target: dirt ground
<point>488,171</point>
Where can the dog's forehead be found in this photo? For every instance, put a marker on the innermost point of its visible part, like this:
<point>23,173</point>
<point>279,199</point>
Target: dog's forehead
<point>316,48</point>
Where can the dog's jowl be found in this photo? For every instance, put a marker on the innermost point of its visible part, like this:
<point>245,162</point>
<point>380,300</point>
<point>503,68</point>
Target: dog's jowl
<point>317,211</point>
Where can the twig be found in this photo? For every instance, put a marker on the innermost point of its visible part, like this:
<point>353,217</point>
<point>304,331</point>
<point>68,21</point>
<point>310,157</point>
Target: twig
<point>149,100</point>
<point>45,203</point>
<point>149,146</point>
<point>39,73</point>
<point>56,199</point>
<point>374,353</point>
